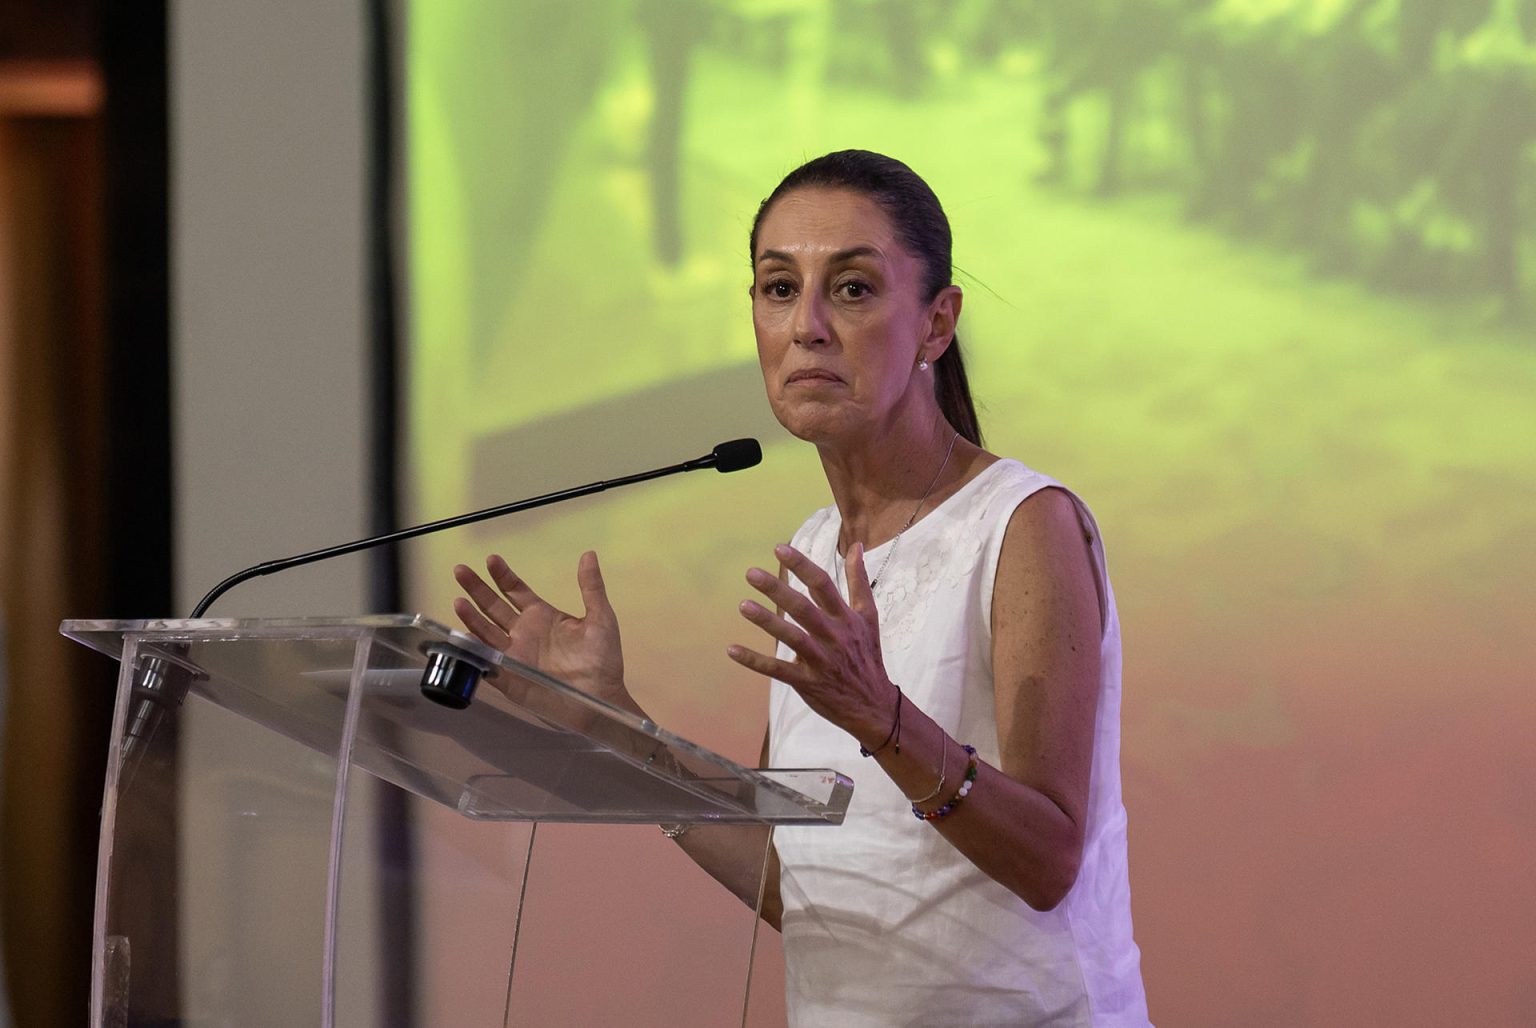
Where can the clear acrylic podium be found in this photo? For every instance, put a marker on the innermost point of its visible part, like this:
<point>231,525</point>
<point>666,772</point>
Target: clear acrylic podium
<point>240,869</point>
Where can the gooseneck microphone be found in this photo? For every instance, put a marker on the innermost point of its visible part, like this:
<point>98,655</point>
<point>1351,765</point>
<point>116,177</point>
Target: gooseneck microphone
<point>730,456</point>
<point>161,682</point>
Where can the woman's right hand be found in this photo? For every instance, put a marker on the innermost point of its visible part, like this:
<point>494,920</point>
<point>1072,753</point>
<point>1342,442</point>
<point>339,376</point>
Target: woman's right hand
<point>583,652</point>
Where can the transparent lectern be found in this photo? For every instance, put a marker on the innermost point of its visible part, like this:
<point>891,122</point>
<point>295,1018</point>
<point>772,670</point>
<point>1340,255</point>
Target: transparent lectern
<point>241,866</point>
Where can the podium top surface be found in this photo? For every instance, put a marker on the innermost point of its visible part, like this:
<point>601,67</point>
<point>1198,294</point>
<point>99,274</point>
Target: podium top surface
<point>528,747</point>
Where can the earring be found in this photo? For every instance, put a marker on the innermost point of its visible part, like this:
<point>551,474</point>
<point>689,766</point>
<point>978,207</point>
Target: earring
<point>922,364</point>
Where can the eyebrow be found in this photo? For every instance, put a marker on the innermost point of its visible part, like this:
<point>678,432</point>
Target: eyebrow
<point>837,258</point>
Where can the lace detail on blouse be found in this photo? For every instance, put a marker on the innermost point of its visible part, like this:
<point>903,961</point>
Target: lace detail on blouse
<point>931,563</point>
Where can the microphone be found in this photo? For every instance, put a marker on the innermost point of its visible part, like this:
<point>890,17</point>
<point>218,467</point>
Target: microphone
<point>161,683</point>
<point>734,455</point>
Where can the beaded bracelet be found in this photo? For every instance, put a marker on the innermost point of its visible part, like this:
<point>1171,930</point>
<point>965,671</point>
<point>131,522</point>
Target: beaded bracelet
<point>895,732</point>
<point>965,790</point>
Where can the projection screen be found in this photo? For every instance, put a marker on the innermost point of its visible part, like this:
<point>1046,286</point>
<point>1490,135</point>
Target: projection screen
<point>1250,275</point>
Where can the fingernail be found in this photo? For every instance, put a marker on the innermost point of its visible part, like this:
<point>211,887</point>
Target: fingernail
<point>782,550</point>
<point>748,607</point>
<point>733,651</point>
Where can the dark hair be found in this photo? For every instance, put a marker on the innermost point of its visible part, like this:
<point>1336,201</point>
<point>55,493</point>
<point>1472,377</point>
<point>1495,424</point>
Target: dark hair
<point>923,229</point>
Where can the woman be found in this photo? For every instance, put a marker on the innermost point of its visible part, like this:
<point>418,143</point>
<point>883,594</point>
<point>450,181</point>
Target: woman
<point>949,616</point>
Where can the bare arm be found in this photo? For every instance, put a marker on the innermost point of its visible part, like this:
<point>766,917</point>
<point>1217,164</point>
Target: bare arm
<point>1022,822</point>
<point>733,856</point>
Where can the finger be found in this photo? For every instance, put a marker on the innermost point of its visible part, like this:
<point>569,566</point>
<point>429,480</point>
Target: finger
<point>594,593</point>
<point>794,675</point>
<point>495,606</point>
<point>861,596</point>
<point>822,589</point>
<point>793,636</point>
<point>512,586</point>
<point>787,598</point>
<point>480,626</point>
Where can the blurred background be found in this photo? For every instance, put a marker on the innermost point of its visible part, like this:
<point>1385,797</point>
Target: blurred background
<point>1255,277</point>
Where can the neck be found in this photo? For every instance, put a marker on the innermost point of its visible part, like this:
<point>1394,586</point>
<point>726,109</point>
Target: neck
<point>880,481</point>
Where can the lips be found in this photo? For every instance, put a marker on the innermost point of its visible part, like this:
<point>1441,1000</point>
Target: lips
<point>812,375</point>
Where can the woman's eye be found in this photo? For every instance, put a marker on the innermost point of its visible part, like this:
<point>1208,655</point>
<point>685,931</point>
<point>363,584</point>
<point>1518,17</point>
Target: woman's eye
<point>853,290</point>
<point>778,289</point>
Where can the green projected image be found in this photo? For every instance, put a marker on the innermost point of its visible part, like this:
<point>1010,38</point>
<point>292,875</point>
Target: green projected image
<point>1255,277</point>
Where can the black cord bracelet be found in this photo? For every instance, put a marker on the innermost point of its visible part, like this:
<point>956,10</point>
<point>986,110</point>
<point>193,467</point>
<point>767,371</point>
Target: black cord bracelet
<point>895,732</point>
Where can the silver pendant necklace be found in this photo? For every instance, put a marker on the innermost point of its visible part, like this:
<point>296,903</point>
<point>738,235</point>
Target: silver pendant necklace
<point>929,492</point>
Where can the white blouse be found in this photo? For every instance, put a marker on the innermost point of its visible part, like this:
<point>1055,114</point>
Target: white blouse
<point>886,923</point>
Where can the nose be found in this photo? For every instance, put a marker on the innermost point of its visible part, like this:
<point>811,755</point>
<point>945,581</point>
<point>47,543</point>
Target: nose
<point>810,322</point>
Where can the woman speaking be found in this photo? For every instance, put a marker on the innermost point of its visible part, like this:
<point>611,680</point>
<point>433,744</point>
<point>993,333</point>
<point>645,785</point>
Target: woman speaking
<point>949,618</point>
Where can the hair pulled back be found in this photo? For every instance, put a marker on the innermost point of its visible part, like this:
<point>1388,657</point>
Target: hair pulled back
<point>920,224</point>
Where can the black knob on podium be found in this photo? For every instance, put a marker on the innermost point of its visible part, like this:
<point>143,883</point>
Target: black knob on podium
<point>450,676</point>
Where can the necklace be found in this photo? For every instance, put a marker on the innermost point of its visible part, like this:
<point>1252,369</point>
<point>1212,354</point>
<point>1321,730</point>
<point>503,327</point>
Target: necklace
<point>929,492</point>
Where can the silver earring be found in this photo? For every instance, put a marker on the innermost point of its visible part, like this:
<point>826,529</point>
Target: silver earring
<point>922,365</point>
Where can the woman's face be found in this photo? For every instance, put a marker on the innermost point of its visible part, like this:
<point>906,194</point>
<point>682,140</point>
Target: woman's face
<point>840,317</point>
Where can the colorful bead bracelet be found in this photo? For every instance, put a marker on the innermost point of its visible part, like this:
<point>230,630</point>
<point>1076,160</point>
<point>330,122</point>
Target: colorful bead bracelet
<point>965,790</point>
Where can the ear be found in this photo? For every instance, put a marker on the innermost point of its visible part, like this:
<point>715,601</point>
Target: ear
<point>943,316</point>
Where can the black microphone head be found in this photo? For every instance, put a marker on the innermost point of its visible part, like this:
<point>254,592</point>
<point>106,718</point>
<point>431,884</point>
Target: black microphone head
<point>737,454</point>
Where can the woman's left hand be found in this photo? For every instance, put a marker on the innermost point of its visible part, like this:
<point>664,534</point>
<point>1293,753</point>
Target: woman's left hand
<point>838,668</point>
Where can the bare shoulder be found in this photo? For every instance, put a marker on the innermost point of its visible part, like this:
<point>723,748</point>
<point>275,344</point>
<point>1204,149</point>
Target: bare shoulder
<point>1049,514</point>
<point>1047,561</point>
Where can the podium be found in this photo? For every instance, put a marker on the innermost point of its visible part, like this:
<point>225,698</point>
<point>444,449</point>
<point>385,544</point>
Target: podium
<point>241,867</point>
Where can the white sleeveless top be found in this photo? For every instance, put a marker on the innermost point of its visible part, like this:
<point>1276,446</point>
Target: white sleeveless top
<point>885,923</point>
